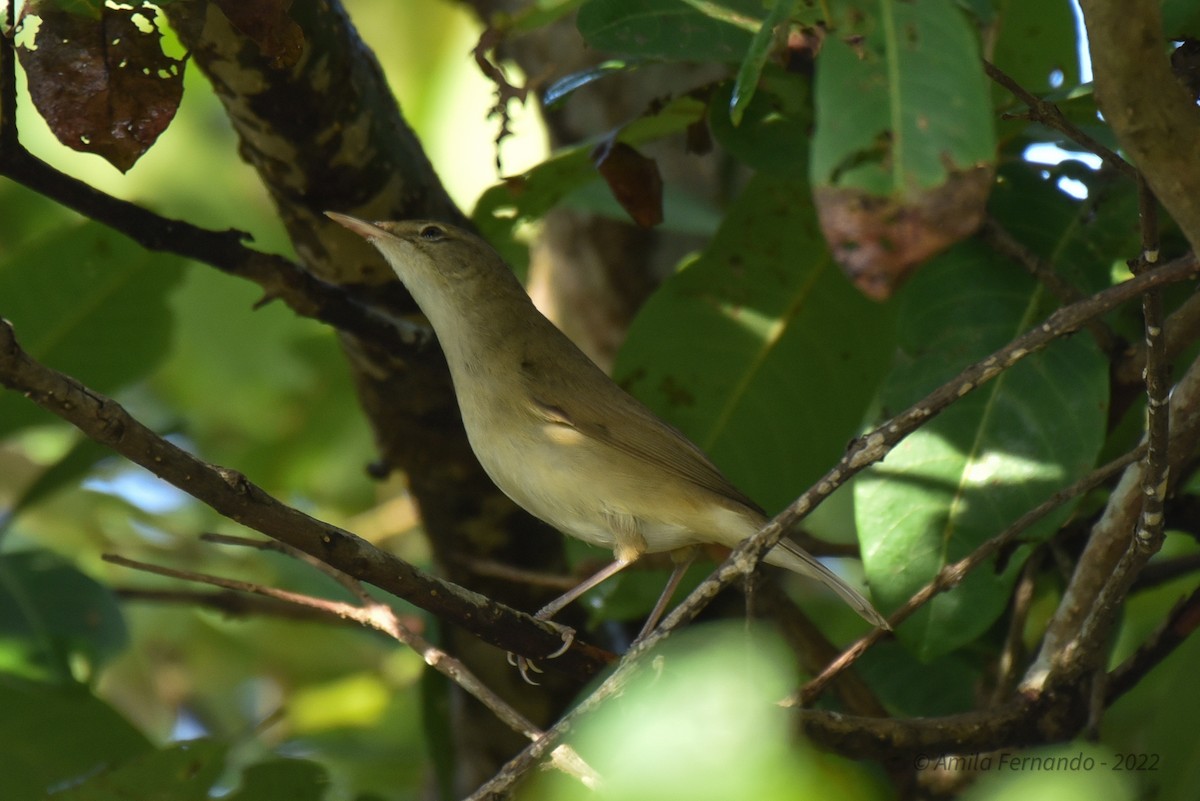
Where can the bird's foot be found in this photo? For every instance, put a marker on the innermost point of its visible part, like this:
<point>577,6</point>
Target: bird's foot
<point>525,666</point>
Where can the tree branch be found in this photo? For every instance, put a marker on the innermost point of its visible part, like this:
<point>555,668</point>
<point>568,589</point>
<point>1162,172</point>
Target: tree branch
<point>875,445</point>
<point>235,497</point>
<point>1077,634</point>
<point>1156,122</point>
<point>376,615</point>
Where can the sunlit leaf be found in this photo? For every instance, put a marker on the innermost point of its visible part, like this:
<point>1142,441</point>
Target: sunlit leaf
<point>976,467</point>
<point>760,350</point>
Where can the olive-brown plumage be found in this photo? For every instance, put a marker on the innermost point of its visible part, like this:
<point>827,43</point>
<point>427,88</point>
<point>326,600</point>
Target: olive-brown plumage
<point>555,433</point>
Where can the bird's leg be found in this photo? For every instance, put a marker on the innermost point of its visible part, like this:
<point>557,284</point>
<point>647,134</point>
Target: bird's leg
<point>683,558</point>
<point>558,604</point>
<point>523,664</point>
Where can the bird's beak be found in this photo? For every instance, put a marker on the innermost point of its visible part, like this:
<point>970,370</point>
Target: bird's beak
<point>366,230</point>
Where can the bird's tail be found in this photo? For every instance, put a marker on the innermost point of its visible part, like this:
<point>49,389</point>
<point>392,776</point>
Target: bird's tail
<point>788,554</point>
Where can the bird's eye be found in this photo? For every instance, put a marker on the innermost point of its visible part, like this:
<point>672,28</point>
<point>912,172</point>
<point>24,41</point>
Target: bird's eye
<point>432,233</point>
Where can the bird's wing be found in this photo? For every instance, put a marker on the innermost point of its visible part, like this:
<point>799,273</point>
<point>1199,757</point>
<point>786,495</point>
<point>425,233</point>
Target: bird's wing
<point>605,413</point>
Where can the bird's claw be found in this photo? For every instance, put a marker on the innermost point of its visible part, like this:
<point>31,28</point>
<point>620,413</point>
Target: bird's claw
<point>524,665</point>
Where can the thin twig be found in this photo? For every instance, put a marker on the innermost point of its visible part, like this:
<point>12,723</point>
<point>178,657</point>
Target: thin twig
<point>381,617</point>
<point>1014,653</point>
<point>349,583</point>
<point>875,445</point>
<point>229,603</point>
<point>1147,537</point>
<point>1004,243</point>
<point>952,575</point>
<point>1180,624</point>
<point>279,278</point>
<point>1051,115</point>
<point>1182,331</point>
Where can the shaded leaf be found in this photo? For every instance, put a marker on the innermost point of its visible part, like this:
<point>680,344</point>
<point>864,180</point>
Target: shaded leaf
<point>774,132</point>
<point>52,736</point>
<point>52,615</point>
<point>634,180</point>
<point>181,772</point>
<point>760,351</point>
<point>282,780</point>
<point>564,86</point>
<point>1181,20</point>
<point>671,30</point>
<point>530,195</point>
<point>1035,44</point>
<point>103,85</point>
<point>90,303</point>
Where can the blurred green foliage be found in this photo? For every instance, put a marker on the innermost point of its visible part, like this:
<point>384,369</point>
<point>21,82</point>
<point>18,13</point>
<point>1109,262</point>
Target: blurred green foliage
<point>756,346</point>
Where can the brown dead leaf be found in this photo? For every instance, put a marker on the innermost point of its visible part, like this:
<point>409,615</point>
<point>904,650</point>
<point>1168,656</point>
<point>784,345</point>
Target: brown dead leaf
<point>102,84</point>
<point>879,241</point>
<point>634,181</point>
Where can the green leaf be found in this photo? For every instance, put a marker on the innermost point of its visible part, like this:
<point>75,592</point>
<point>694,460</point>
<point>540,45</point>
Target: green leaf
<point>90,303</point>
<point>564,86</point>
<point>1035,44</point>
<point>27,216</point>
<point>901,99</point>
<point>706,726</point>
<point>1181,19</point>
<point>756,58</point>
<point>283,780</point>
<point>183,772</point>
<point>52,736</point>
<point>976,467</point>
<point>287,412</point>
<point>527,197</point>
<point>1080,240</point>
<point>534,15</point>
<point>1079,771</point>
<point>54,619</point>
<point>672,30</point>
<point>773,135</point>
<point>760,350</point>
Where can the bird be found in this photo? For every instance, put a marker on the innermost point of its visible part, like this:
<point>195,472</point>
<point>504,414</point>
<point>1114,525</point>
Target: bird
<point>557,435</point>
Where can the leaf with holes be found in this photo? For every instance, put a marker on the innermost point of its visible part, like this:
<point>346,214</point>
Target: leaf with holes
<point>103,84</point>
<point>904,148</point>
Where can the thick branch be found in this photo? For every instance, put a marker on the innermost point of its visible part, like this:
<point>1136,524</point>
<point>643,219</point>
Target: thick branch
<point>1076,637</point>
<point>279,278</point>
<point>1156,122</point>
